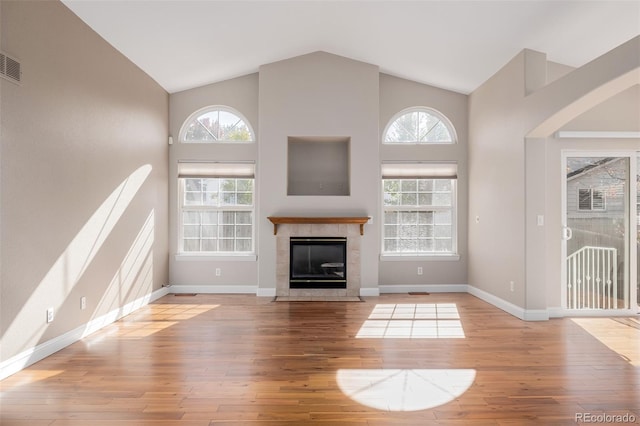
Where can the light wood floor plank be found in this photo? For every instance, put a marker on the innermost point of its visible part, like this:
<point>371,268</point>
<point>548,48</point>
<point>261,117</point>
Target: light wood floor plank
<point>239,359</point>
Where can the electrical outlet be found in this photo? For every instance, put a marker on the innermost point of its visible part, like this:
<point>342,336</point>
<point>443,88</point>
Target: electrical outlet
<point>83,303</point>
<point>419,270</point>
<point>218,272</point>
<point>50,315</point>
<point>512,286</point>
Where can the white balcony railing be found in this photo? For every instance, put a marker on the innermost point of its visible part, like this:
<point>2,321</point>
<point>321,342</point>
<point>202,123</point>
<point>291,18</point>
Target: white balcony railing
<point>592,279</point>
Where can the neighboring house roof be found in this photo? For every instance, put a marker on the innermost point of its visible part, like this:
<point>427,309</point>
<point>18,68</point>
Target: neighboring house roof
<point>590,166</point>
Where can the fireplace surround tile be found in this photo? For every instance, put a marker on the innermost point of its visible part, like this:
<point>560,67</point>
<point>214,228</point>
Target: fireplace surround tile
<point>324,230</point>
<point>351,231</point>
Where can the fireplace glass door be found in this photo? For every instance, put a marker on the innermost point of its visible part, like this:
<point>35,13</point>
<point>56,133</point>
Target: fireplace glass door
<point>318,262</point>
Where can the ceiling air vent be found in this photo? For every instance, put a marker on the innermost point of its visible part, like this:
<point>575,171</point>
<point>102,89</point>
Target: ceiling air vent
<point>10,68</point>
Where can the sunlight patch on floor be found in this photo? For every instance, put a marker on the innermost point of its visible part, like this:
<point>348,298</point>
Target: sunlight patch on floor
<point>404,390</point>
<point>144,329</point>
<point>171,312</point>
<point>413,321</point>
<point>162,316</point>
<point>621,335</point>
<point>29,376</point>
<point>148,321</point>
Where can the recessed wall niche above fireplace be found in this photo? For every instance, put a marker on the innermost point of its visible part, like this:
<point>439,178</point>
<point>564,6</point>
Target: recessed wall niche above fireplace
<point>318,165</point>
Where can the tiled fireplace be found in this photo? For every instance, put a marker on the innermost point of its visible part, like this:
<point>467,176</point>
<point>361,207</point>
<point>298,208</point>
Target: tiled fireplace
<point>284,230</point>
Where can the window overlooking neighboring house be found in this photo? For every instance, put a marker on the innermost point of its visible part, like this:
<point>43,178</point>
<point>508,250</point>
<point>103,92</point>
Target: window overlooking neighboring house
<point>419,203</point>
<point>590,199</point>
<point>419,125</point>
<point>216,124</point>
<point>217,208</point>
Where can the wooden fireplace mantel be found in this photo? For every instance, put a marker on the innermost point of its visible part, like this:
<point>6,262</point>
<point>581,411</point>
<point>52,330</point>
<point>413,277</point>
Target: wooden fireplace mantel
<point>277,220</point>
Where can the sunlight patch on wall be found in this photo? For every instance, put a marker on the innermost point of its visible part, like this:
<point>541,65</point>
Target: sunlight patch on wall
<point>404,390</point>
<point>413,321</point>
<point>134,277</point>
<point>83,248</point>
<point>68,269</point>
<point>621,335</point>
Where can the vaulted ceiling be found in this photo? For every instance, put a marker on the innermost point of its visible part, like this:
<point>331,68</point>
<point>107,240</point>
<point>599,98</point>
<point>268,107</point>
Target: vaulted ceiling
<point>456,45</point>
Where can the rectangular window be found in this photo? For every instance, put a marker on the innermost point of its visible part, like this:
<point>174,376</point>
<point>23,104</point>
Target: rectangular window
<point>419,203</point>
<point>591,200</point>
<point>217,208</point>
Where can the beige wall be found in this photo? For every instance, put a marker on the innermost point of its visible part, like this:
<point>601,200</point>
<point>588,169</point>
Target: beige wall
<point>242,95</point>
<point>496,184</point>
<point>556,71</point>
<point>84,177</point>
<point>397,94</point>
<point>619,113</point>
<point>514,169</point>
<point>318,95</point>
<point>86,182</point>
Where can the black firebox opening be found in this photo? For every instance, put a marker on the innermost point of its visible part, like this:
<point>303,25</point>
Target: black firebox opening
<point>318,262</point>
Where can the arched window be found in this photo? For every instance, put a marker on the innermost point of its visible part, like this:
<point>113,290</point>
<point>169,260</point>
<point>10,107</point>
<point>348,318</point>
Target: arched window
<point>216,124</point>
<point>419,125</point>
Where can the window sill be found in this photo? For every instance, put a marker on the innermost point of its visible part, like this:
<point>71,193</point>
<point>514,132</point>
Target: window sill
<point>419,257</point>
<point>187,257</point>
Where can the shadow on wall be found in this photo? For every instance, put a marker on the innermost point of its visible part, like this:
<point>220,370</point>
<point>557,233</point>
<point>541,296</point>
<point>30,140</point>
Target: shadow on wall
<point>133,277</point>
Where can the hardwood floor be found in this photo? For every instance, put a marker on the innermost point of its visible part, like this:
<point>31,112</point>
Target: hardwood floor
<point>240,359</point>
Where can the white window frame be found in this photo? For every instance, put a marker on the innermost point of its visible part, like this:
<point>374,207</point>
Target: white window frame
<point>431,171</point>
<point>211,108</point>
<point>209,171</point>
<point>591,207</point>
<point>421,109</point>
<point>632,256</point>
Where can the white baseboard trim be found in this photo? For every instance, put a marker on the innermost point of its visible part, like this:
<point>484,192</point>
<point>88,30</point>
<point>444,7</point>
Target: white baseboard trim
<point>536,315</point>
<point>508,307</point>
<point>265,292</point>
<point>369,291</point>
<point>43,350</point>
<point>429,288</point>
<point>213,289</point>
<point>592,313</point>
<point>516,311</point>
<point>556,312</point>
